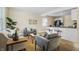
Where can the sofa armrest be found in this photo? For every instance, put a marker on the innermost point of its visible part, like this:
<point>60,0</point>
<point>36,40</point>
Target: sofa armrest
<point>42,42</point>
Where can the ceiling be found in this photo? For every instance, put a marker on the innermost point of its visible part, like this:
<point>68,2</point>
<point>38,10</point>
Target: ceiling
<point>43,10</point>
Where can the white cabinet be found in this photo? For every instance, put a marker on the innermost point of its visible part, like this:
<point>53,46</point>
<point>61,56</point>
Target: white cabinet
<point>69,34</point>
<point>74,14</point>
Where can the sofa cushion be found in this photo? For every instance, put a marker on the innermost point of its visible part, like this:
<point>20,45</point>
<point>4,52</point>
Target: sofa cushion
<point>50,36</point>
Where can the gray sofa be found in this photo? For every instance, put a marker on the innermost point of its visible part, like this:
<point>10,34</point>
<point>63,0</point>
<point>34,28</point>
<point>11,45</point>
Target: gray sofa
<point>49,43</point>
<point>42,42</point>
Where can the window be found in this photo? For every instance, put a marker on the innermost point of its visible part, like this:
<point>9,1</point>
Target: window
<point>45,22</point>
<point>2,19</point>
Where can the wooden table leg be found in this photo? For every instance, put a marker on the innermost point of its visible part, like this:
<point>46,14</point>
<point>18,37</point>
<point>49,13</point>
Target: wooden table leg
<point>11,47</point>
<point>7,47</point>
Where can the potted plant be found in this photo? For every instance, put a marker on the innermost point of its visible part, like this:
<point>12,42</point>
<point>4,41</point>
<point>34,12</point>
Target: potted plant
<point>11,26</point>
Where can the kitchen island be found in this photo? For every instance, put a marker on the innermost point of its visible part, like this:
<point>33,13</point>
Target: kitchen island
<point>66,33</point>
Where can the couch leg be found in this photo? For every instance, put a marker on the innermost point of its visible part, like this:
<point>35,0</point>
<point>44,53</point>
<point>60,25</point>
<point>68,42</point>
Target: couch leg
<point>23,49</point>
<point>57,49</point>
<point>43,48</point>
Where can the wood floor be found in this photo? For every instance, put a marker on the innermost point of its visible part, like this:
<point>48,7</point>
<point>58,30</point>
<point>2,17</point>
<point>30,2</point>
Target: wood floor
<point>65,45</point>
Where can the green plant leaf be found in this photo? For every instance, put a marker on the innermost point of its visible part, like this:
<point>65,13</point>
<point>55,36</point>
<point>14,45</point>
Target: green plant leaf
<point>10,23</point>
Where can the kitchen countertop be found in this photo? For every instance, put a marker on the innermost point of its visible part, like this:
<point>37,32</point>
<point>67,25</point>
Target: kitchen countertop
<point>67,27</point>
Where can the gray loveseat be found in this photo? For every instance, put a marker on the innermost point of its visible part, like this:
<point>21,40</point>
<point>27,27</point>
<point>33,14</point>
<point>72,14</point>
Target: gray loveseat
<point>49,43</point>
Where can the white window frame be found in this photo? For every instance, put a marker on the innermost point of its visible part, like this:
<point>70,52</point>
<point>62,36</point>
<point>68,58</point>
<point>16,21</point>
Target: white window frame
<point>45,22</point>
<point>2,19</point>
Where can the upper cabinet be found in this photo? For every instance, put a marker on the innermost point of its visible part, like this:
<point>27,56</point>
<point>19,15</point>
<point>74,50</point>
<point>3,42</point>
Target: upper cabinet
<point>74,14</point>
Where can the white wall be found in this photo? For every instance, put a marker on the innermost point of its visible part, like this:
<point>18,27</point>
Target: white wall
<point>22,17</point>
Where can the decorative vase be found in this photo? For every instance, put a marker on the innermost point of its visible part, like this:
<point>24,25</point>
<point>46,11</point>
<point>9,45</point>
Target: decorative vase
<point>15,36</point>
